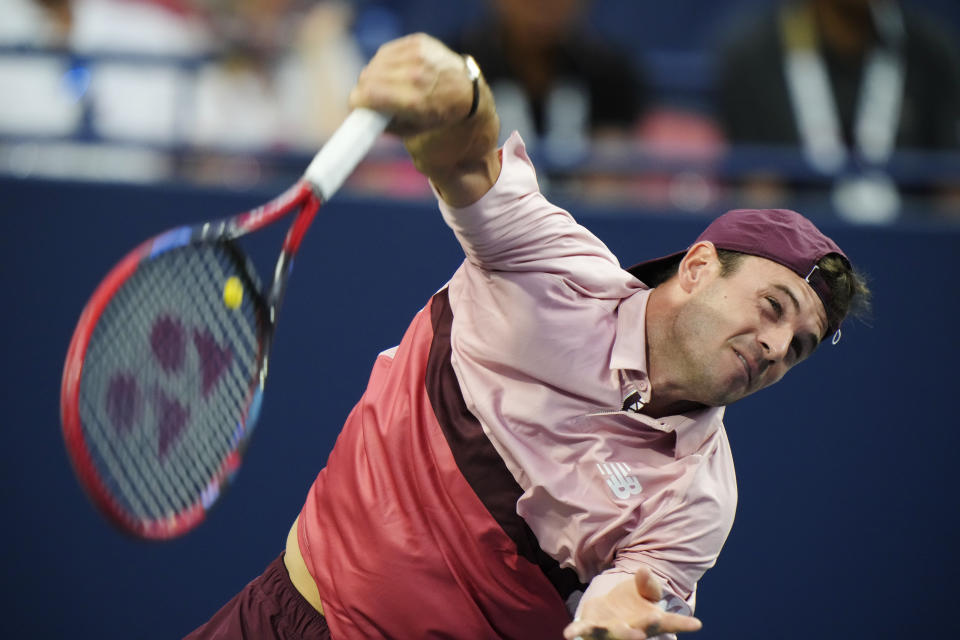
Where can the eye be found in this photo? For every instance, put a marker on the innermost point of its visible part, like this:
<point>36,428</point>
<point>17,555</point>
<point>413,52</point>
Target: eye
<point>796,349</point>
<point>775,306</point>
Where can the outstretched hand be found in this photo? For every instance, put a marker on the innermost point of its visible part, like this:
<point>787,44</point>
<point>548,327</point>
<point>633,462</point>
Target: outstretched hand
<point>629,611</point>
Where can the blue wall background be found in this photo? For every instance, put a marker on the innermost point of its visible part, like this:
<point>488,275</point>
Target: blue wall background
<point>848,521</point>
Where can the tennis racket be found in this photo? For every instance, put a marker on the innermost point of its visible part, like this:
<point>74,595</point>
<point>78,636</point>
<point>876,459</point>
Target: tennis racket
<point>165,372</point>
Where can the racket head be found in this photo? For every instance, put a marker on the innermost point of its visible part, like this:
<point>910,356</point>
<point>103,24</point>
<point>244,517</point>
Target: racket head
<point>163,382</point>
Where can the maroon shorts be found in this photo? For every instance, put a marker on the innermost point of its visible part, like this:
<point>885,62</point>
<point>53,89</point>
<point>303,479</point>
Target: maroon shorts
<point>269,608</point>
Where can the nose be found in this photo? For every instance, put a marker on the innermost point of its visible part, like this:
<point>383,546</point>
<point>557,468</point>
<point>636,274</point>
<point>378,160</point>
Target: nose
<point>775,342</point>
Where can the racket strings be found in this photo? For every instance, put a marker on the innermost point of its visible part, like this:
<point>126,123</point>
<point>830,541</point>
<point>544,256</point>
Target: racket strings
<point>204,451</point>
<point>168,377</point>
<point>126,458</point>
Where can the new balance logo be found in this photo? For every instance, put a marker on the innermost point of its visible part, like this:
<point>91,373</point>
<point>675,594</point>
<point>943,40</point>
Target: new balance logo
<point>618,479</point>
<point>633,403</point>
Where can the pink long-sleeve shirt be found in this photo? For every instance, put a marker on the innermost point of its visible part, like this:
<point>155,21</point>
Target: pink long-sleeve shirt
<point>520,380</point>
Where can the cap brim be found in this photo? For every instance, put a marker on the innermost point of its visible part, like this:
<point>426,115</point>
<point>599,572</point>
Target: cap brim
<point>653,272</point>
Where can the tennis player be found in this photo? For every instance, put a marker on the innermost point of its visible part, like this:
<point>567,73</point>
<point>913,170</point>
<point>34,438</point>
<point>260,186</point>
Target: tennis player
<point>543,454</point>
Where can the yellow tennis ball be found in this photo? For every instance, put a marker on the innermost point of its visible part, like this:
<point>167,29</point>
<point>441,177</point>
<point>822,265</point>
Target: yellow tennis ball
<point>233,292</point>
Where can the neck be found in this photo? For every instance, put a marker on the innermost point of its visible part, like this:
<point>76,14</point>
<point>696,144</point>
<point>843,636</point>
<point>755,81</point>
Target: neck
<point>846,27</point>
<point>667,396</point>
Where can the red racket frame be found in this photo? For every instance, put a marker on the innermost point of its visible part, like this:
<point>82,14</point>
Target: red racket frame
<point>303,195</point>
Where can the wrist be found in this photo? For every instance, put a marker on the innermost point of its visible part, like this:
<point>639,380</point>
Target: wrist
<point>473,74</point>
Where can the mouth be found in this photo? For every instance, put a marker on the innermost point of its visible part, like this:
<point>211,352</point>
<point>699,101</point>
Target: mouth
<point>747,368</point>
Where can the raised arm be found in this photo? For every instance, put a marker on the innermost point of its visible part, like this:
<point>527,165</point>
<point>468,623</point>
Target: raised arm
<point>427,88</point>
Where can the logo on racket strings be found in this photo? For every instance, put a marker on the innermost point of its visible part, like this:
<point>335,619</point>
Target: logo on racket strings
<point>127,398</point>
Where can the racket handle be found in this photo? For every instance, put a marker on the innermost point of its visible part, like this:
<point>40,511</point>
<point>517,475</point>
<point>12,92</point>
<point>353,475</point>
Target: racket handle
<point>344,150</point>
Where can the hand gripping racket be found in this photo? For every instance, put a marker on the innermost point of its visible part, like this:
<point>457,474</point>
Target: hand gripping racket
<point>165,372</point>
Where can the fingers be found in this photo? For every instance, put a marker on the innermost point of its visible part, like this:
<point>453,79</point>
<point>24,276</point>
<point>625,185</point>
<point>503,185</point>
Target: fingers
<point>676,623</point>
<point>418,80</point>
<point>647,585</point>
<point>637,630</point>
<point>385,82</point>
<point>617,631</point>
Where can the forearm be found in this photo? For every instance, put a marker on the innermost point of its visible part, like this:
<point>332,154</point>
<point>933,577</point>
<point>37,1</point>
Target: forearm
<point>461,159</point>
<point>428,92</point>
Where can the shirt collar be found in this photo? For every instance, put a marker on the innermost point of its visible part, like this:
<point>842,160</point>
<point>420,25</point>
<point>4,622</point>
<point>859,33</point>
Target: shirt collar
<point>629,353</point>
<point>630,344</point>
<point>694,428</point>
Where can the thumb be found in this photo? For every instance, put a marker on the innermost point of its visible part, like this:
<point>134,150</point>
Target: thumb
<point>648,586</point>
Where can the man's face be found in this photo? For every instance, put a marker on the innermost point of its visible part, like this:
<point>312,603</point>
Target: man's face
<point>543,20</point>
<point>739,333</point>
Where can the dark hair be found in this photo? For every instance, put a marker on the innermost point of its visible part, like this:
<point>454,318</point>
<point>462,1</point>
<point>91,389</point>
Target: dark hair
<point>851,295</point>
<point>653,275</point>
<point>729,261</point>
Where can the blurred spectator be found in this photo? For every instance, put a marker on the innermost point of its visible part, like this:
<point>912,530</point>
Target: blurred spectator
<point>131,51</point>
<point>30,23</point>
<point>71,88</point>
<point>331,59</point>
<point>35,22</point>
<point>155,27</point>
<point>553,80</point>
<point>282,75</point>
<point>847,81</point>
<point>118,89</point>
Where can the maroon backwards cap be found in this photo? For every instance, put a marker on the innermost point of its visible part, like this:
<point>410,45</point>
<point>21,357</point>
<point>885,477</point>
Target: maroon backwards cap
<point>781,235</point>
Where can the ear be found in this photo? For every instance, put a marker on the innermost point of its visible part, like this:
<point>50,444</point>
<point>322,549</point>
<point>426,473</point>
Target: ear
<point>699,266</point>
